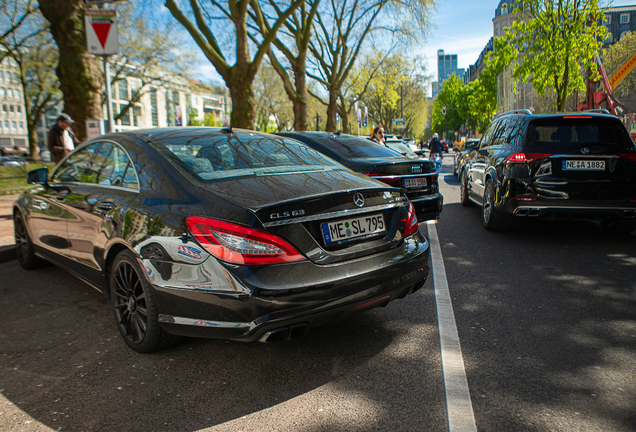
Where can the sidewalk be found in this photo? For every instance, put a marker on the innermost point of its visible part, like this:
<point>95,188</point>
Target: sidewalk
<point>6,219</point>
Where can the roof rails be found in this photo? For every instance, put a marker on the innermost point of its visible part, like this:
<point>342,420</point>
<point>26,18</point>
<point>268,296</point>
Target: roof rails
<point>519,111</point>
<point>597,110</point>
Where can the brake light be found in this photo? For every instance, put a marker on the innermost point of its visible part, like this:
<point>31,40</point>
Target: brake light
<point>577,117</point>
<point>391,181</point>
<point>411,222</point>
<point>238,244</point>
<point>527,157</point>
<point>630,156</point>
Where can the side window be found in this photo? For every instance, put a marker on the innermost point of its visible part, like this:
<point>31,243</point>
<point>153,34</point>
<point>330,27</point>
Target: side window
<point>487,138</point>
<point>113,167</point>
<point>501,132</point>
<point>77,168</point>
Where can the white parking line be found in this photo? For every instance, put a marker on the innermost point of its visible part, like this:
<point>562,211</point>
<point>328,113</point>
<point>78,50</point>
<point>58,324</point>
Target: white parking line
<point>459,409</point>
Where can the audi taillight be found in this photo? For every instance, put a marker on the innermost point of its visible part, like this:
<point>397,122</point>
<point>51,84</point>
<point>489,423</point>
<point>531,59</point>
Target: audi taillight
<point>527,157</point>
<point>411,222</point>
<point>238,244</point>
<point>391,181</point>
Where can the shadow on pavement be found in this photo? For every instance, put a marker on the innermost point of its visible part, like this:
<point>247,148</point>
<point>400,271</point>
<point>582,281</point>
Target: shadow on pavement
<point>64,364</point>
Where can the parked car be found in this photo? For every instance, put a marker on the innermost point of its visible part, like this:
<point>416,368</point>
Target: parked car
<point>461,155</point>
<point>555,166</point>
<point>217,233</point>
<point>12,161</point>
<point>417,176</point>
<point>445,147</point>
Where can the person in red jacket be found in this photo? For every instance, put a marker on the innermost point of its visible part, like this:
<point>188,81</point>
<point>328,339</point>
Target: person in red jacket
<point>62,139</point>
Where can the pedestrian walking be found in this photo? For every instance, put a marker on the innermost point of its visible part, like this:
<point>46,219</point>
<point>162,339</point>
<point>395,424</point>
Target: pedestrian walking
<point>378,135</point>
<point>62,139</point>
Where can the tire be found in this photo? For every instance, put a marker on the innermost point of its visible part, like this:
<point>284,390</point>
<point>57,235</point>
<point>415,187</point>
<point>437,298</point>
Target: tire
<point>492,219</point>
<point>134,306</point>
<point>463,190</point>
<point>618,226</point>
<point>25,251</point>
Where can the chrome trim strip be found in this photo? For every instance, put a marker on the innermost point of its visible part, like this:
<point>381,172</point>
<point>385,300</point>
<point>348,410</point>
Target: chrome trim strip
<point>333,215</point>
<point>120,188</point>
<point>548,207</point>
<point>169,319</point>
<point>402,176</point>
<point>582,156</point>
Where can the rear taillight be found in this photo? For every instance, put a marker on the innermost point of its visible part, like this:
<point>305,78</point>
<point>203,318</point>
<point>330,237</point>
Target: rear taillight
<point>630,156</point>
<point>391,181</point>
<point>411,222</point>
<point>527,157</point>
<point>238,244</point>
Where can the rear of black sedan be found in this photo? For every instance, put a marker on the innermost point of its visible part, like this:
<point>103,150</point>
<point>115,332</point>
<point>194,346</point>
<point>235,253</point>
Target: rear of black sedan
<point>225,234</point>
<point>416,176</point>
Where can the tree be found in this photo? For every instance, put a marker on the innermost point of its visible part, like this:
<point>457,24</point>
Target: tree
<point>78,72</point>
<point>343,29</point>
<point>616,55</point>
<point>449,96</point>
<point>240,76</point>
<point>557,41</point>
<point>297,32</point>
<point>271,100</point>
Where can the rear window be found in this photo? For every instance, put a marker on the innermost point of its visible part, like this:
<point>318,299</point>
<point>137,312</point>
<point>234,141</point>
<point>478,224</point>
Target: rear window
<point>576,132</point>
<point>214,156</point>
<point>349,147</point>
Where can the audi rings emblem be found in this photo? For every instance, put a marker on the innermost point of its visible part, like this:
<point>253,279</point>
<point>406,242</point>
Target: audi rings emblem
<point>585,150</point>
<point>358,199</point>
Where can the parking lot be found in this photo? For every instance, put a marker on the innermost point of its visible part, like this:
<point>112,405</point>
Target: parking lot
<point>545,314</point>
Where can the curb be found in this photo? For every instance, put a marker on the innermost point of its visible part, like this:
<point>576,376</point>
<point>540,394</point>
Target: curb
<point>8,253</point>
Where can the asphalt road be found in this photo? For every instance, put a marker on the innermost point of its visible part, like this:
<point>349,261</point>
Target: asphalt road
<point>546,316</point>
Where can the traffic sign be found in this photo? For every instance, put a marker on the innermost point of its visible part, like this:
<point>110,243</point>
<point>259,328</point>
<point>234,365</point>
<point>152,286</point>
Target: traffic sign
<point>399,123</point>
<point>102,37</point>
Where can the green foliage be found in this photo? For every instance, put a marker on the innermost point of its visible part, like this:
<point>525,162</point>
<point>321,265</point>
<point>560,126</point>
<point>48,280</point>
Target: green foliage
<point>616,55</point>
<point>557,41</point>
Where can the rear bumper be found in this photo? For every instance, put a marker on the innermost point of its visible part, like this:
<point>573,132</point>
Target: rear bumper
<point>428,207</point>
<point>594,210</point>
<point>288,296</point>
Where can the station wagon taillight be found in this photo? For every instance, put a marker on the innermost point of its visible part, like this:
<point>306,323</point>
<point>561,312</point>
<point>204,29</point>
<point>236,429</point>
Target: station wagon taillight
<point>527,157</point>
<point>630,156</point>
<point>239,244</point>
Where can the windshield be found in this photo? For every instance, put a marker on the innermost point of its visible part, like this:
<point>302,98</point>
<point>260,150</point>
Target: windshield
<point>574,132</point>
<point>214,156</point>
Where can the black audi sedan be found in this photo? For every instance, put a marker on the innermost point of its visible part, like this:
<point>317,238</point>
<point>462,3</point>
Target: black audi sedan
<point>416,176</point>
<point>220,233</point>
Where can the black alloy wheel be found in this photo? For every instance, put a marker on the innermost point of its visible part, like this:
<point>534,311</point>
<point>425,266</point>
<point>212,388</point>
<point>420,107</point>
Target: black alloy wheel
<point>618,226</point>
<point>493,220</point>
<point>26,254</point>
<point>134,306</point>
<point>463,190</point>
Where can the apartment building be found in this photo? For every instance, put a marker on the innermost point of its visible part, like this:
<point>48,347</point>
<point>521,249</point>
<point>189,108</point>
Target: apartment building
<point>13,128</point>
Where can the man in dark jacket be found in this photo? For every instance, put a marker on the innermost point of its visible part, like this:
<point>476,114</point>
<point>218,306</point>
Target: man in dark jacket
<point>435,146</point>
<point>62,139</point>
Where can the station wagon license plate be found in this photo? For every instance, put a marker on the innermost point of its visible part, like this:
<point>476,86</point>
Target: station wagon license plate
<point>415,183</point>
<point>584,165</point>
<point>353,228</point>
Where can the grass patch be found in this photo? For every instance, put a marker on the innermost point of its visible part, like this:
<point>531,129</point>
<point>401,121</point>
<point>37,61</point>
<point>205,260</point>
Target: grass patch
<point>13,178</point>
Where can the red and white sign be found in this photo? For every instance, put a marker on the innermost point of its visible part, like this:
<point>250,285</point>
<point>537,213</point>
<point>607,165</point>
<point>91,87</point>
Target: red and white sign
<point>102,37</point>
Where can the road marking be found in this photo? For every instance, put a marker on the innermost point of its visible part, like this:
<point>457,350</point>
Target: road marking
<point>459,409</point>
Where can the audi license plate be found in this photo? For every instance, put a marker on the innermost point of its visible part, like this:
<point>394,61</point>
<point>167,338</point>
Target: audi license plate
<point>354,228</point>
<point>584,165</point>
<point>415,182</point>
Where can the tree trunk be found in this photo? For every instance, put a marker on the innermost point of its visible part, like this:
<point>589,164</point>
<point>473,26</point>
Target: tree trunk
<point>302,96</point>
<point>332,109</point>
<point>243,107</point>
<point>77,71</point>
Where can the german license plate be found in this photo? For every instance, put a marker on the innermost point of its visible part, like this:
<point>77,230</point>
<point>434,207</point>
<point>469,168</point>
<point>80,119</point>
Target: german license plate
<point>353,228</point>
<point>415,182</point>
<point>584,165</point>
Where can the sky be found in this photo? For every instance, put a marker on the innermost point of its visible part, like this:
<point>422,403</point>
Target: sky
<point>463,27</point>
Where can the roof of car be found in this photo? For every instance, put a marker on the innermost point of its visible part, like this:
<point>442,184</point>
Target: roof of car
<point>526,113</point>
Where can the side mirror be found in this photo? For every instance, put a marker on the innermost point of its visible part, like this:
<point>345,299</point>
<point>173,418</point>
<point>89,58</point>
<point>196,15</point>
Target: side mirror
<point>39,176</point>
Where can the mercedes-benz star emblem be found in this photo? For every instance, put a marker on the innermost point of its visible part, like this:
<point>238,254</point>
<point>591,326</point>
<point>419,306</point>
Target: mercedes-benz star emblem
<point>585,150</point>
<point>358,199</point>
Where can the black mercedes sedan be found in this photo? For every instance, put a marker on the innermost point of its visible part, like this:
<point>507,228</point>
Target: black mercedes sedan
<point>416,176</point>
<point>220,233</point>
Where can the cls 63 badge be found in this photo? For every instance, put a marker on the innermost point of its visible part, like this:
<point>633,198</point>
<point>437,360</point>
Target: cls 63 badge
<point>189,251</point>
